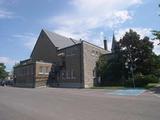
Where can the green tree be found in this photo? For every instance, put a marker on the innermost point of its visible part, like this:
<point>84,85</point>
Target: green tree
<point>101,66</point>
<point>134,51</point>
<point>156,33</point>
<point>137,52</point>
<point>111,67</point>
<point>155,65</point>
<point>116,65</point>
<point>3,73</point>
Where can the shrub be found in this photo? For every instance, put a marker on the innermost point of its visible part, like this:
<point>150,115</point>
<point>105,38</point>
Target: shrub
<point>156,73</point>
<point>151,78</point>
<point>142,81</point>
<point>139,80</point>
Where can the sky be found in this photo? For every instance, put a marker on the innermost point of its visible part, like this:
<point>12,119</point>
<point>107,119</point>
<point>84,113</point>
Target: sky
<point>22,20</point>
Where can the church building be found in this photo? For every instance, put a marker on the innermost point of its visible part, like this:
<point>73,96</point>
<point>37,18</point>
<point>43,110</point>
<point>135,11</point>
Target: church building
<point>58,61</point>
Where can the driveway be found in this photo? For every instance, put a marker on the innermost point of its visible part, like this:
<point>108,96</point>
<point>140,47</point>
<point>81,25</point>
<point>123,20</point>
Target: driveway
<point>75,104</point>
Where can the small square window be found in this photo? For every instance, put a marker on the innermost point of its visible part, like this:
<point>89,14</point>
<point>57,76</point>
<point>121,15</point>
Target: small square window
<point>43,70</point>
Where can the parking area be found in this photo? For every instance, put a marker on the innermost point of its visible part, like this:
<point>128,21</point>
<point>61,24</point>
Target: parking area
<point>128,92</point>
<point>76,104</point>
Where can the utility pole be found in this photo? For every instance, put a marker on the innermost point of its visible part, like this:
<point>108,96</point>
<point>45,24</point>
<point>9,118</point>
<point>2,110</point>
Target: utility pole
<point>129,65</point>
<point>131,69</point>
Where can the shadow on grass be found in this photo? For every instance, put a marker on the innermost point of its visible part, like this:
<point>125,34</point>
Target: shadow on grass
<point>154,87</point>
<point>155,90</point>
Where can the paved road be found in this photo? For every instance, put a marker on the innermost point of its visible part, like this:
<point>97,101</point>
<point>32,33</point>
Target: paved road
<point>75,104</point>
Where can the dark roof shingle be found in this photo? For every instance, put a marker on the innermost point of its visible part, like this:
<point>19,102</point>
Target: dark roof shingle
<point>60,41</point>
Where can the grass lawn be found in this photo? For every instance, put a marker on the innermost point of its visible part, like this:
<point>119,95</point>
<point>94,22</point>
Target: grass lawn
<point>149,86</point>
<point>152,85</point>
<point>108,87</point>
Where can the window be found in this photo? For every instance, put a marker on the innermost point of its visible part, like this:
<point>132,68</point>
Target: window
<point>63,75</point>
<point>74,50</point>
<point>71,51</point>
<point>47,70</point>
<point>73,74</point>
<point>43,70</point>
<point>67,75</point>
<point>70,74</point>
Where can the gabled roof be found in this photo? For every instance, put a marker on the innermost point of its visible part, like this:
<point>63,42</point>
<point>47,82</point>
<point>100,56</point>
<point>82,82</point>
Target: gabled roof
<point>60,41</point>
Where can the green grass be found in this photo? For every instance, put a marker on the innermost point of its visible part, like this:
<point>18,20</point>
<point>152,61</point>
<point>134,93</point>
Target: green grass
<point>152,85</point>
<point>108,87</point>
<point>149,86</point>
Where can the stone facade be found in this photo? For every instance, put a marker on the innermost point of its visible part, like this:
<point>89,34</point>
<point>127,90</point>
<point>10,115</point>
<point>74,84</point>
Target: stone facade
<point>44,50</point>
<point>70,74</point>
<point>91,55</point>
<point>72,66</point>
<point>31,74</point>
<point>42,70</point>
<point>24,75</point>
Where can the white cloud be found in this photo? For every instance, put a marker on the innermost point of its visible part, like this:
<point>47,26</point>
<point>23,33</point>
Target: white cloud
<point>117,18</point>
<point>123,15</point>
<point>5,14</point>
<point>156,47</point>
<point>29,39</point>
<point>103,6</point>
<point>136,2</point>
<point>141,31</point>
<point>157,50</point>
<point>7,60</point>
<point>89,15</point>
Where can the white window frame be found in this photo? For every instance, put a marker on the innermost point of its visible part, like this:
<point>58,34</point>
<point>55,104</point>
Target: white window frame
<point>43,70</point>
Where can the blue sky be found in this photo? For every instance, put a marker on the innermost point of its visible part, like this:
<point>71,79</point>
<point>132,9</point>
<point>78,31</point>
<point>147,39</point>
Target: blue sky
<point>22,20</point>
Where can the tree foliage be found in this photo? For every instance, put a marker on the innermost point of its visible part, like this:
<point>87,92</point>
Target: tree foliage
<point>3,73</point>
<point>156,33</point>
<point>110,67</point>
<point>102,66</point>
<point>134,51</point>
<point>137,52</point>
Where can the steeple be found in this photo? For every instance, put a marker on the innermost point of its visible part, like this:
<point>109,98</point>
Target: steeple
<point>114,43</point>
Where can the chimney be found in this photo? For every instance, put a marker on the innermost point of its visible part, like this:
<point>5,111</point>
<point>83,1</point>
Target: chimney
<point>105,43</point>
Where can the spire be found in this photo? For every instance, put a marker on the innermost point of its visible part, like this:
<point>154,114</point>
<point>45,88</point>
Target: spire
<point>114,43</point>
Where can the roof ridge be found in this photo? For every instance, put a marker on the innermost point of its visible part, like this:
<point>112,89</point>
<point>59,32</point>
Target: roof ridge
<point>95,45</point>
<point>45,30</point>
<point>58,40</point>
<point>72,40</point>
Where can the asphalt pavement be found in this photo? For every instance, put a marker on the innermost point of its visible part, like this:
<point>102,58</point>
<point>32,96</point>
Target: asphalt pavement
<point>76,104</point>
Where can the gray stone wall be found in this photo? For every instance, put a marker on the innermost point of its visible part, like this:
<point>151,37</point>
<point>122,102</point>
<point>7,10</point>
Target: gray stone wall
<point>31,75</point>
<point>44,50</point>
<point>91,54</point>
<point>42,73</point>
<point>77,62</point>
<point>70,75</point>
<point>24,75</point>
